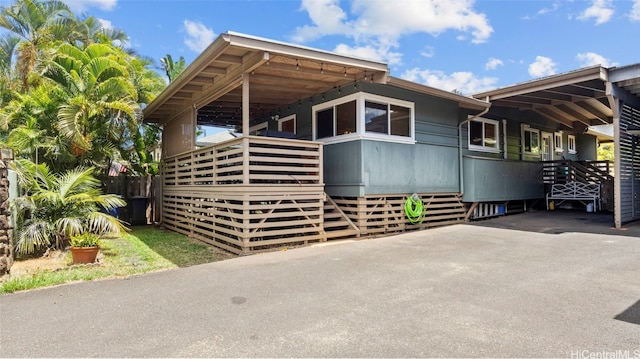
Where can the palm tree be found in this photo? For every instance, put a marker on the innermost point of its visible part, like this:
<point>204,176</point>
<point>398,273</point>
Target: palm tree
<point>91,30</point>
<point>56,207</point>
<point>100,100</point>
<point>29,121</point>
<point>172,68</point>
<point>34,24</point>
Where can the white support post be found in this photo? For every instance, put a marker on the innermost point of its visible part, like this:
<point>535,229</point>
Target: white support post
<point>614,102</point>
<point>245,104</point>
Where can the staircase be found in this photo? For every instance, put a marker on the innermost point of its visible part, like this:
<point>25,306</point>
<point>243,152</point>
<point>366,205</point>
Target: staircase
<point>336,223</point>
<point>593,172</point>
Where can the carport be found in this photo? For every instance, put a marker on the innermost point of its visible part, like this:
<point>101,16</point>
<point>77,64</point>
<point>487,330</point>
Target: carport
<point>589,97</point>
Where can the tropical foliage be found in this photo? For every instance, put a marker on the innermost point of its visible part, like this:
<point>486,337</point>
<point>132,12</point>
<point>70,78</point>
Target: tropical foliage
<point>71,93</point>
<point>172,68</point>
<point>57,207</point>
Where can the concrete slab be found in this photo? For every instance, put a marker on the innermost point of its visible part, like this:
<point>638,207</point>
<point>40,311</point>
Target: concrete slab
<point>562,221</point>
<point>459,291</point>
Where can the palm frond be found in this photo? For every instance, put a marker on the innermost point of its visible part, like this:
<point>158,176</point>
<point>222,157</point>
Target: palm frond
<point>34,235</point>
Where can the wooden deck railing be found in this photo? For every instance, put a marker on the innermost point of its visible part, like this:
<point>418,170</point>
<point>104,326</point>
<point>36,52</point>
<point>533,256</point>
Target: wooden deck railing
<point>594,172</point>
<point>564,171</point>
<point>247,161</point>
<point>246,195</point>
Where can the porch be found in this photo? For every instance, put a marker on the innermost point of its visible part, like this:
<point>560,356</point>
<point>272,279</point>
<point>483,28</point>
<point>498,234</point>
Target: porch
<point>246,195</point>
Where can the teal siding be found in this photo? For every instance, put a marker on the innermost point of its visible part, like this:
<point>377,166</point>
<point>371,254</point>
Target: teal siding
<point>363,167</point>
<point>487,180</point>
<point>343,169</point>
<point>401,168</point>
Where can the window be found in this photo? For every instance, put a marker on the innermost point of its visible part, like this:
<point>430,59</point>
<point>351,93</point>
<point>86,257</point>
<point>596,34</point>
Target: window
<point>483,135</point>
<point>258,129</point>
<point>530,140</point>
<point>557,141</point>
<point>287,124</point>
<point>400,121</point>
<point>571,144</point>
<point>336,120</point>
<point>346,118</point>
<point>364,115</point>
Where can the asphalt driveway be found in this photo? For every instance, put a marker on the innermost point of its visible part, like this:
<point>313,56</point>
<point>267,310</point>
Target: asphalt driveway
<point>458,291</point>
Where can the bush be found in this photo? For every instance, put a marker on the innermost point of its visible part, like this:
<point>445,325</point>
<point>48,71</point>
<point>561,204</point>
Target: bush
<point>86,239</point>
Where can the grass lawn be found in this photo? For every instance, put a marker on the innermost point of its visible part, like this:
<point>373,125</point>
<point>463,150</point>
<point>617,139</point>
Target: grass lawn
<point>144,249</point>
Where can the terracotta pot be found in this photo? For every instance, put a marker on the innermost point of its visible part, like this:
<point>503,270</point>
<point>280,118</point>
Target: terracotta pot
<point>84,255</point>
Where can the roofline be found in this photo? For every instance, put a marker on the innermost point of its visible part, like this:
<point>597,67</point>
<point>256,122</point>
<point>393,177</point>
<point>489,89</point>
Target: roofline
<point>294,50</point>
<point>584,74</point>
<point>223,41</point>
<point>464,101</point>
<point>216,47</point>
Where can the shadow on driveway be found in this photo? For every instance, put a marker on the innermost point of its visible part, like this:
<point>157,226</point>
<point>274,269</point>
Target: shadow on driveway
<point>562,221</point>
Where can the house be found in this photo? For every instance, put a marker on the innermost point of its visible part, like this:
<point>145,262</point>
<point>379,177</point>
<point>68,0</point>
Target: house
<point>332,146</point>
<point>556,122</point>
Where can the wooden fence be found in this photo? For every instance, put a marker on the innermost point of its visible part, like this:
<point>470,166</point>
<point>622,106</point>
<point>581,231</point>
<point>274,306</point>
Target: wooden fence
<point>380,214</point>
<point>140,193</point>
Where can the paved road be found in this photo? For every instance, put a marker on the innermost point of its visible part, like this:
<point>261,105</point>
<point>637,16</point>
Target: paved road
<point>459,291</point>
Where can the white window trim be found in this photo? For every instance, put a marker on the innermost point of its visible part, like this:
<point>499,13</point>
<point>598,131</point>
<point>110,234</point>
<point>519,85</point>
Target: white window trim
<point>571,144</point>
<point>285,119</point>
<point>493,149</point>
<point>527,128</point>
<point>557,142</point>
<point>361,133</point>
<point>258,127</point>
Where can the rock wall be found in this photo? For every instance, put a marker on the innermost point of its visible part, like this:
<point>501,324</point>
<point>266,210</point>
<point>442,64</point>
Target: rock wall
<point>6,245</point>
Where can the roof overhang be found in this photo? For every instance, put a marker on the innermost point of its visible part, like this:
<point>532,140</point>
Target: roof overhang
<point>463,101</point>
<point>573,99</point>
<point>279,74</point>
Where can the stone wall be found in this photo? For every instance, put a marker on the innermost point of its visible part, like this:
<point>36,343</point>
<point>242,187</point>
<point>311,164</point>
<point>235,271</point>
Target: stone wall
<point>6,245</point>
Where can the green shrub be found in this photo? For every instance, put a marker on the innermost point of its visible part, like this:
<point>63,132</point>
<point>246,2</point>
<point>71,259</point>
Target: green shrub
<point>86,239</point>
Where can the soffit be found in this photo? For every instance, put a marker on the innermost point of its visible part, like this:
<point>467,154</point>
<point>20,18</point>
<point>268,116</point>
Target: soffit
<point>573,99</point>
<point>279,74</point>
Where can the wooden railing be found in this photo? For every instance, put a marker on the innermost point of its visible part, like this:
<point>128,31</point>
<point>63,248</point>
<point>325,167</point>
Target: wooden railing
<point>594,172</point>
<point>564,171</point>
<point>248,160</point>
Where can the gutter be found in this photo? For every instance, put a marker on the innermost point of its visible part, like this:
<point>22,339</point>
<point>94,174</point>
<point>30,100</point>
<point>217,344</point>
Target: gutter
<point>460,164</point>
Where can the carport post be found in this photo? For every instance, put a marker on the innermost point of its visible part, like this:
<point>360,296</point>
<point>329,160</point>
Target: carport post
<point>245,105</point>
<point>615,109</point>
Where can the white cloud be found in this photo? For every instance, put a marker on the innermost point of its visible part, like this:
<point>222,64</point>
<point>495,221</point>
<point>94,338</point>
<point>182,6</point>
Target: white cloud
<point>380,53</point>
<point>600,10</point>
<point>591,59</point>
<point>428,52</point>
<point>376,25</point>
<point>464,82</point>
<point>493,63</point>
<point>327,17</point>
<point>543,66</point>
<point>106,24</point>
<point>545,10</point>
<point>555,6</point>
<point>83,5</point>
<point>634,15</point>
<point>386,21</point>
<point>198,36</point>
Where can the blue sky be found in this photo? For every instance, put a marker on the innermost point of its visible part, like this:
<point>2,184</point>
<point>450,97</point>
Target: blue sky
<point>470,46</point>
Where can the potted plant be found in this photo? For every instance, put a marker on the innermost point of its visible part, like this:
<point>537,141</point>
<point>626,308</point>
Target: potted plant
<point>84,247</point>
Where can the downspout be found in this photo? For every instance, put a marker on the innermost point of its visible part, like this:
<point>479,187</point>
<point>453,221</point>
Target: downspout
<point>460,164</point>
<point>504,138</point>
